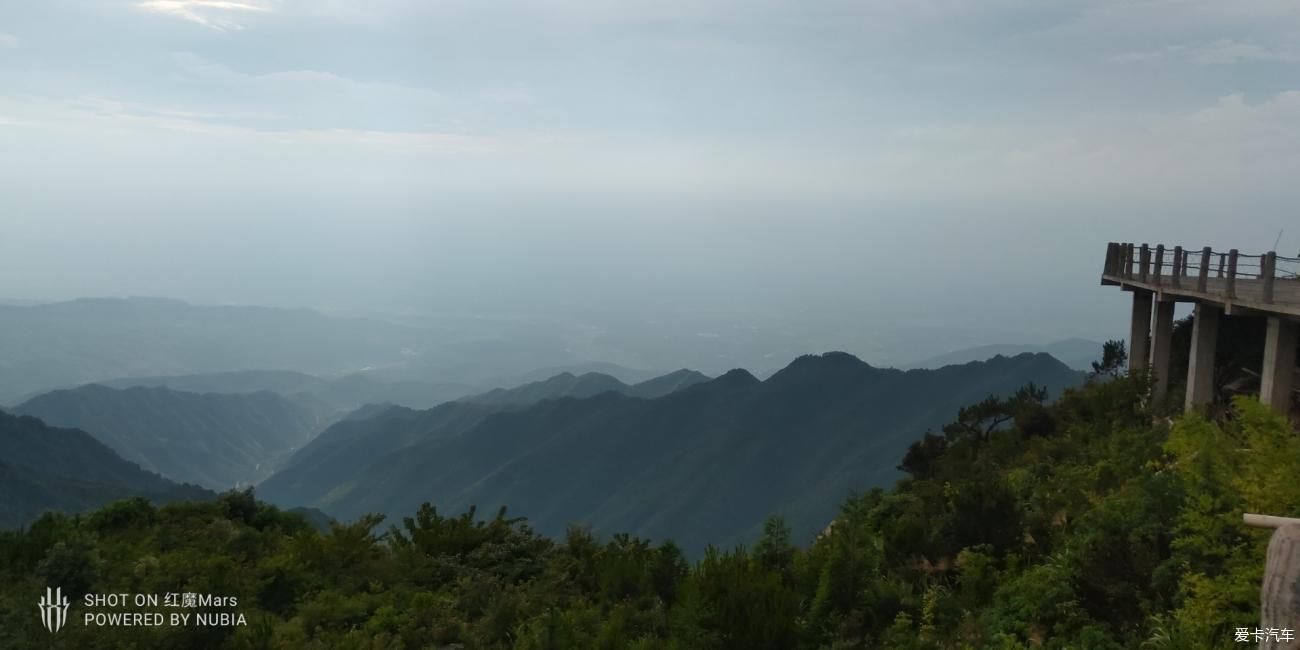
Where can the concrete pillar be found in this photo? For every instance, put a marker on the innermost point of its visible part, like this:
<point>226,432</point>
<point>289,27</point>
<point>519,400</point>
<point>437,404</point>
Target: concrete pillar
<point>1161,336</point>
<point>1200,364</point>
<point>1139,330</point>
<point>1275,383</point>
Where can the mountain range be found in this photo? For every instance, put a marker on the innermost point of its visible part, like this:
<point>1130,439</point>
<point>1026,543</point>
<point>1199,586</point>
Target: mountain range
<point>346,393</point>
<point>1076,353</point>
<point>48,468</point>
<point>370,433</point>
<point>567,384</point>
<point>47,346</point>
<point>218,441</point>
<point>703,464</point>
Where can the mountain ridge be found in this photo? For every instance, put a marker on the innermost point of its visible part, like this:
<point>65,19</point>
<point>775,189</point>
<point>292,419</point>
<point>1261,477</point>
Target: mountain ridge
<point>341,447</point>
<point>703,464</point>
<point>1077,353</point>
<point>54,468</point>
<point>347,392</point>
<point>215,440</point>
<point>589,384</point>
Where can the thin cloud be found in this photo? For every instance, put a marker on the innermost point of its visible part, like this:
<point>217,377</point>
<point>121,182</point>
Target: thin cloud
<point>113,106</point>
<point>515,94</point>
<point>1229,51</point>
<point>214,14</point>
<point>318,98</point>
<point>200,68</point>
<point>1221,52</point>
<point>8,41</point>
<point>105,115</point>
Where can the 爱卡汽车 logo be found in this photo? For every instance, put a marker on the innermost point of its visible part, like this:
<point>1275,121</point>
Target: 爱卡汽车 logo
<point>54,609</point>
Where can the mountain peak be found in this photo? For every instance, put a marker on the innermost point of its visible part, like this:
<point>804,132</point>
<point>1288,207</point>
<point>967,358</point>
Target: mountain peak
<point>736,377</point>
<point>1043,359</point>
<point>596,377</point>
<point>830,366</point>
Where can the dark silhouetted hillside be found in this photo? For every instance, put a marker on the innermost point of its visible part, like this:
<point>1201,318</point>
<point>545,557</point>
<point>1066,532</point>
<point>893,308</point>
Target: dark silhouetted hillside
<point>371,432</point>
<point>47,468</point>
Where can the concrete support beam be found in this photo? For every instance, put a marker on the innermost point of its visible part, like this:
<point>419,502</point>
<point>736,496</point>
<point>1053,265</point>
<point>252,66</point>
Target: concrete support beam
<point>1139,330</point>
<point>1162,333</point>
<point>1200,365</point>
<point>1279,364</point>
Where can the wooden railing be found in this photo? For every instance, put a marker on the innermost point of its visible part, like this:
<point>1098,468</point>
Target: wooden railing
<point>1192,269</point>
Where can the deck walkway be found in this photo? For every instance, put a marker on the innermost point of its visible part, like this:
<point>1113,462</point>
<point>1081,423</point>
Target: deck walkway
<point>1265,284</point>
<point>1219,284</point>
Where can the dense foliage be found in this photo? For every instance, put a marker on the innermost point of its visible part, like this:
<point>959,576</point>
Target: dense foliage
<point>1084,523</point>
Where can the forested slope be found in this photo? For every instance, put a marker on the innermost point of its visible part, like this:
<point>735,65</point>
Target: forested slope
<point>704,464</point>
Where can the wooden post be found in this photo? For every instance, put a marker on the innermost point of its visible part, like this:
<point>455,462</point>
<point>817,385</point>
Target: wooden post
<point>1267,521</point>
<point>1203,278</point>
<point>1144,262</point>
<point>1130,261</point>
<point>1112,257</point>
<point>1223,261</point>
<point>1266,266</point>
<point>1232,274</point>
<point>1178,266</point>
<point>1160,263</point>
<point>1279,596</point>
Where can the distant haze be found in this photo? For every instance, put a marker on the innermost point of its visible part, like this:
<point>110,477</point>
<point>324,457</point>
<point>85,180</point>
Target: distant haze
<point>827,171</point>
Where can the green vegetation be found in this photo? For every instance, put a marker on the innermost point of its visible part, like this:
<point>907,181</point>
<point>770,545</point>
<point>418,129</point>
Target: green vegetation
<point>1084,523</point>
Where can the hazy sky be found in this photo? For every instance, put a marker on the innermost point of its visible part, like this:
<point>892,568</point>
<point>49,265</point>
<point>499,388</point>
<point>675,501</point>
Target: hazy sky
<point>950,160</point>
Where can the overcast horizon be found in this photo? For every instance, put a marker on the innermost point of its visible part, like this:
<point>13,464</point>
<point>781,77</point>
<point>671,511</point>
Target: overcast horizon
<point>841,164</point>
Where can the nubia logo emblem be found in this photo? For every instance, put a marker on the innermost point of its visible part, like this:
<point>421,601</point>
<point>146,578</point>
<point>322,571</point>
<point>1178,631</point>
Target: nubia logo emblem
<point>54,609</point>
